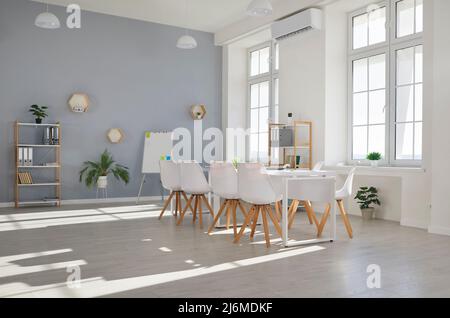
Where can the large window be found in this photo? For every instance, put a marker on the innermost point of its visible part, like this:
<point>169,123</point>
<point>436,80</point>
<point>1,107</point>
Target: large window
<point>263,98</point>
<point>385,77</point>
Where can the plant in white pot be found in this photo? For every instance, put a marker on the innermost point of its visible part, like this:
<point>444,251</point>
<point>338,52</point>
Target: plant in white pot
<point>367,197</point>
<point>97,172</point>
<point>374,158</point>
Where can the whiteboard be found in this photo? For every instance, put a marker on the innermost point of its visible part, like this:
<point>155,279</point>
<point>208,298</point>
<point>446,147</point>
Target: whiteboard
<point>156,145</point>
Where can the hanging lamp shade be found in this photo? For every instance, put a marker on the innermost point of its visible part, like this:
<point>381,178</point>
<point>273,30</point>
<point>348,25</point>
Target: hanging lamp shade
<point>186,42</point>
<point>259,8</point>
<point>47,20</point>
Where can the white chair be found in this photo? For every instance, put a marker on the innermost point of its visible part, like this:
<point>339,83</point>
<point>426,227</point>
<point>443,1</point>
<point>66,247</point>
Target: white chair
<point>170,179</point>
<point>340,195</point>
<point>307,204</point>
<point>193,182</point>
<point>256,188</point>
<point>224,183</point>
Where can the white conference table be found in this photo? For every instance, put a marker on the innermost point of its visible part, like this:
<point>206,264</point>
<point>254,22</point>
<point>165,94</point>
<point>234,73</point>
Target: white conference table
<point>286,175</point>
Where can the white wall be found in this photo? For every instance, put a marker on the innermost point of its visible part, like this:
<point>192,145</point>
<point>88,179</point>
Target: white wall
<point>440,213</point>
<point>302,84</point>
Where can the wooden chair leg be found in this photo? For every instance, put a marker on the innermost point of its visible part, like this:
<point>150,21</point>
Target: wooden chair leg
<point>244,225</point>
<point>266,228</point>
<point>177,204</point>
<point>200,212</point>
<point>255,222</point>
<point>208,205</point>
<point>323,220</point>
<point>275,222</point>
<point>194,216</point>
<point>180,220</point>
<point>278,209</point>
<point>186,199</point>
<point>166,204</point>
<point>216,219</point>
<point>228,216</point>
<point>242,208</point>
<point>295,205</point>
<point>344,215</point>
<point>311,213</point>
<point>234,202</point>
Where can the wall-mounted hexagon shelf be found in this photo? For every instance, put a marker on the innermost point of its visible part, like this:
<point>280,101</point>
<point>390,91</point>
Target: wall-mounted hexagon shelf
<point>198,112</point>
<point>79,103</point>
<point>115,135</point>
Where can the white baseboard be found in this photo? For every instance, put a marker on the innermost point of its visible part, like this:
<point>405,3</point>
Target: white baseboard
<point>414,223</point>
<point>96,201</point>
<point>439,230</point>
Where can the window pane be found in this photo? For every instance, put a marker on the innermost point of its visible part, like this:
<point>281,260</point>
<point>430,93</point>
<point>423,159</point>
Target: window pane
<point>254,95</point>
<point>359,143</point>
<point>264,94</point>
<point>405,104</point>
<point>360,31</point>
<point>263,147</point>
<point>404,141</point>
<point>377,103</point>
<point>418,99</point>
<point>360,109</point>
<point>377,26</point>
<point>405,66</point>
<point>277,56</point>
<point>377,72</point>
<point>419,16</point>
<point>405,18</point>
<point>418,141</point>
<point>360,75</point>
<point>419,64</point>
<point>264,60</point>
<point>254,58</point>
<point>276,116</point>
<point>276,94</point>
<point>254,120</point>
<point>264,119</point>
<point>253,147</point>
<point>377,139</point>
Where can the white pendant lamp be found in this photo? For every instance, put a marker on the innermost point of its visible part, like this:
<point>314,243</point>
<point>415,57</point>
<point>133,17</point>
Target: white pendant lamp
<point>259,8</point>
<point>186,42</point>
<point>47,20</point>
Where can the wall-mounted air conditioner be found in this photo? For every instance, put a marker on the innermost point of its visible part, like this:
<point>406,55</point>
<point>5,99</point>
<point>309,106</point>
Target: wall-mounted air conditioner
<point>310,19</point>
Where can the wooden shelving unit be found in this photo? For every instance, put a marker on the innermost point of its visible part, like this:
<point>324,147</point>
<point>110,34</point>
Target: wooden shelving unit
<point>301,145</point>
<point>55,148</point>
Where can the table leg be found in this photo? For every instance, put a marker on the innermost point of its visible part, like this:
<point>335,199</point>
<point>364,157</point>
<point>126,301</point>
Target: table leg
<point>284,214</point>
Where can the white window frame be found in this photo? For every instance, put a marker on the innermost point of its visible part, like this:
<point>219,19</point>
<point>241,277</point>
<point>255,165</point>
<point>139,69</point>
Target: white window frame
<point>269,77</point>
<point>389,48</point>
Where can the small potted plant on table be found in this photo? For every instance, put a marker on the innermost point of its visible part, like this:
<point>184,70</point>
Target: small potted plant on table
<point>97,172</point>
<point>374,158</point>
<point>367,197</point>
<point>39,113</point>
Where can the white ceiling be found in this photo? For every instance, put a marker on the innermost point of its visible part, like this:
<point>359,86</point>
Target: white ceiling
<point>204,15</point>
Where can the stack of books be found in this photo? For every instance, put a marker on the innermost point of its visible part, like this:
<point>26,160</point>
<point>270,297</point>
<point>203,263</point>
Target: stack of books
<point>25,178</point>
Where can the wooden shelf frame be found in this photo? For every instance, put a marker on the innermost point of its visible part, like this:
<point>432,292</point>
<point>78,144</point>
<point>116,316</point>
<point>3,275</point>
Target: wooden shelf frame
<point>54,183</point>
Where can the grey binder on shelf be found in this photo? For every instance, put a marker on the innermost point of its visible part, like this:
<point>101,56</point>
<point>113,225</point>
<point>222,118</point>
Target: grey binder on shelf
<point>284,137</point>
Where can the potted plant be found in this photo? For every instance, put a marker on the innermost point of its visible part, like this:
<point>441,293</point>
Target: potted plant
<point>39,112</point>
<point>97,172</point>
<point>367,197</point>
<point>374,157</point>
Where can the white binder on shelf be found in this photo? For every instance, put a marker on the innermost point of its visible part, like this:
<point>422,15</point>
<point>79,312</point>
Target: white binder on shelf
<point>21,162</point>
<point>30,156</point>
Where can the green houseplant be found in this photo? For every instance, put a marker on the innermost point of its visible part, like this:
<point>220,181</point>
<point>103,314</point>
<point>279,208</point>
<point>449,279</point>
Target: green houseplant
<point>367,197</point>
<point>39,112</point>
<point>97,172</point>
<point>374,157</point>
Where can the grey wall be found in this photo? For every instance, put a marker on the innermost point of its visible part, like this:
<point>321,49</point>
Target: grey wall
<point>135,76</point>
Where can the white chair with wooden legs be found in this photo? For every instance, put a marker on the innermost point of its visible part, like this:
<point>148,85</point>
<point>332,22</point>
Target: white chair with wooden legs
<point>193,182</point>
<point>256,188</point>
<point>224,183</point>
<point>170,179</point>
<point>340,195</point>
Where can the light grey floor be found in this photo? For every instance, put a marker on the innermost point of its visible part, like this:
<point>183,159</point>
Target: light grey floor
<point>124,251</point>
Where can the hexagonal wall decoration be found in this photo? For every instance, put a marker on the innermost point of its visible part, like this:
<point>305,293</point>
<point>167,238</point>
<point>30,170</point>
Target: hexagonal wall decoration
<point>198,112</point>
<point>115,135</point>
<point>79,103</point>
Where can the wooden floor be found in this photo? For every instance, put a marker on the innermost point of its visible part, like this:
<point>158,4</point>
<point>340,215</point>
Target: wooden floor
<point>124,251</point>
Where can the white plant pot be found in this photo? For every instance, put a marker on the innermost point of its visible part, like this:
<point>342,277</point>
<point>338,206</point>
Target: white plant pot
<point>102,182</point>
<point>368,214</point>
<point>374,163</point>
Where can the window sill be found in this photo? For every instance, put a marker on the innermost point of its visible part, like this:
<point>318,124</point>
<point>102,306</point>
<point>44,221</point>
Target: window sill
<point>377,171</point>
